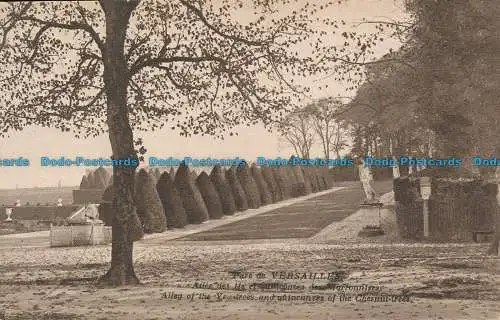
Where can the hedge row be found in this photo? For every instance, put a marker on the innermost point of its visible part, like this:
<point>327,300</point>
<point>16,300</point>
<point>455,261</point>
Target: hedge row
<point>173,201</point>
<point>458,208</point>
<point>409,207</point>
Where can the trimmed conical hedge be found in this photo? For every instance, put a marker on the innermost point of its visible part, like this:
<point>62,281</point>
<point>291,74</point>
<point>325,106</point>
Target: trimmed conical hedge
<point>101,177</point>
<point>197,192</point>
<point>157,174</point>
<point>172,202</point>
<point>328,178</point>
<point>319,179</point>
<point>307,180</point>
<point>149,206</point>
<point>106,206</point>
<point>107,195</point>
<point>110,181</point>
<point>268,175</point>
<point>196,212</point>
<point>223,189</point>
<point>309,173</point>
<point>91,180</point>
<point>240,198</point>
<point>281,176</point>
<point>152,174</point>
<point>193,175</point>
<point>84,184</point>
<point>266,196</point>
<point>301,183</point>
<point>210,196</point>
<point>292,180</point>
<point>249,185</point>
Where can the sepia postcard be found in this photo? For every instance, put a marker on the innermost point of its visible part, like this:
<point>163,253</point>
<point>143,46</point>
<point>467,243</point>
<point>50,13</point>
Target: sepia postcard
<point>249,159</point>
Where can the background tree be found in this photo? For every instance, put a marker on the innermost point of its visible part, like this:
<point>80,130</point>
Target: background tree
<point>340,138</point>
<point>439,92</point>
<point>324,119</point>
<point>297,129</point>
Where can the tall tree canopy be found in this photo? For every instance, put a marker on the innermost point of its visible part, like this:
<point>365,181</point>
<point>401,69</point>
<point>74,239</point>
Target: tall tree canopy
<point>203,67</point>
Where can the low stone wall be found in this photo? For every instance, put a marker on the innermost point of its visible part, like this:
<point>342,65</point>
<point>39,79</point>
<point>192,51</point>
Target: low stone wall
<point>48,213</point>
<point>458,208</point>
<point>87,196</point>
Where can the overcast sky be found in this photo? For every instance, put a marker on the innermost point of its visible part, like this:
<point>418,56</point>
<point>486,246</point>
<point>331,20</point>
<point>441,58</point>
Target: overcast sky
<point>35,142</point>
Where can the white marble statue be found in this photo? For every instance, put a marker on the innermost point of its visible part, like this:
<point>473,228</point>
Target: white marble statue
<point>8,213</point>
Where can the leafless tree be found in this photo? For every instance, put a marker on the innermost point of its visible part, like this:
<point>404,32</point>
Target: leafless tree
<point>297,129</point>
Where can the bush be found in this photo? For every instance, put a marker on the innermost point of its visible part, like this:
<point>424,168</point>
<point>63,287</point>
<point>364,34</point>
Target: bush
<point>301,183</point>
<point>195,211</point>
<point>268,175</point>
<point>193,176</point>
<point>149,206</point>
<point>319,179</point>
<point>458,207</point>
<point>309,173</point>
<point>152,174</point>
<point>91,180</point>
<point>406,190</point>
<point>197,193</point>
<point>84,184</point>
<point>223,188</point>
<point>210,196</point>
<point>292,180</point>
<point>326,177</point>
<point>266,196</point>
<point>382,174</point>
<point>329,178</point>
<point>101,177</point>
<point>240,198</point>
<point>157,174</point>
<point>284,185</point>
<point>107,195</point>
<point>249,185</point>
<point>110,181</point>
<point>307,180</point>
<point>171,201</point>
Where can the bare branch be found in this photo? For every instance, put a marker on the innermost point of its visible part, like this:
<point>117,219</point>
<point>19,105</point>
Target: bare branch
<point>203,19</point>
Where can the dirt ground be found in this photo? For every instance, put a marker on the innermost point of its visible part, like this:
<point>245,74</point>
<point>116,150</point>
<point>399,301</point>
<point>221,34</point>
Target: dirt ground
<point>333,275</point>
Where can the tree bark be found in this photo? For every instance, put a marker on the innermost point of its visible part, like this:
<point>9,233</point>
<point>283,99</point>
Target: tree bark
<point>126,227</point>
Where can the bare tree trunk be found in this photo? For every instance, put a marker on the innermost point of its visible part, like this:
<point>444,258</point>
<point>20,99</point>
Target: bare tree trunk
<point>126,227</point>
<point>327,139</point>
